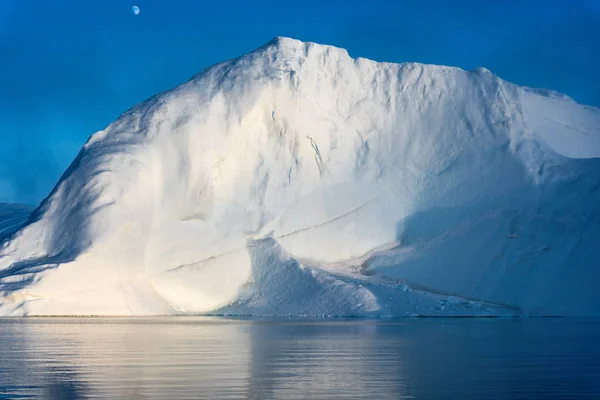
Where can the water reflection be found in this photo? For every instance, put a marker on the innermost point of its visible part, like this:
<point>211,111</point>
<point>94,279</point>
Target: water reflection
<point>119,358</point>
<point>60,358</point>
<point>322,359</point>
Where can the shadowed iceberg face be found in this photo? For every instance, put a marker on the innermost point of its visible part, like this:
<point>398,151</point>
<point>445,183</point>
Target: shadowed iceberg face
<point>297,180</point>
<point>12,217</point>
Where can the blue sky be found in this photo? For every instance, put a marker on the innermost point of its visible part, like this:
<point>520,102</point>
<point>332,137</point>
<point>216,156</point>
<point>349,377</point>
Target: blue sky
<point>68,68</point>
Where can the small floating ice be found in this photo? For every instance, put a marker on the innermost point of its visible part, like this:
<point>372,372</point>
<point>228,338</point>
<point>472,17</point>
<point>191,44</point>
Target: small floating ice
<point>405,288</point>
<point>135,10</point>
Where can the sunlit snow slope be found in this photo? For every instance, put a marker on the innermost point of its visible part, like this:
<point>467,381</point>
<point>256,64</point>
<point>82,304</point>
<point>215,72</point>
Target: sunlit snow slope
<point>296,180</point>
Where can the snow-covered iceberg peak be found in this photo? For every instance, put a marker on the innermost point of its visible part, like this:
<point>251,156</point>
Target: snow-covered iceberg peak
<point>298,180</point>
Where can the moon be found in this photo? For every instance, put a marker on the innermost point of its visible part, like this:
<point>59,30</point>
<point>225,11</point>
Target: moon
<point>135,10</point>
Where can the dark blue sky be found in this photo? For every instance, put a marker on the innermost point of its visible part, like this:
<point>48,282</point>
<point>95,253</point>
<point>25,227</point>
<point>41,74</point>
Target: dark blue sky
<point>68,68</point>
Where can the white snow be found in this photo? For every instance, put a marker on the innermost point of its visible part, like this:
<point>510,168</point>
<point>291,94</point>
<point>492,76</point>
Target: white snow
<point>296,180</point>
<point>551,118</point>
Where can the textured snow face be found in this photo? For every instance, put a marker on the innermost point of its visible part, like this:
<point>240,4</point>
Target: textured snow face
<point>297,180</point>
<point>12,217</point>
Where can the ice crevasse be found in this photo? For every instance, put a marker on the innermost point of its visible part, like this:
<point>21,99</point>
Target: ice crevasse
<point>296,180</point>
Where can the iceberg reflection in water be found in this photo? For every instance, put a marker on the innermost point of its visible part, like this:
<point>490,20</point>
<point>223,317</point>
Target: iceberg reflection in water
<point>201,357</point>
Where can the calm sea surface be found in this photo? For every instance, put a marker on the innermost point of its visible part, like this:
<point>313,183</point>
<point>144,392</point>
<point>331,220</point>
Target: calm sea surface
<point>170,358</point>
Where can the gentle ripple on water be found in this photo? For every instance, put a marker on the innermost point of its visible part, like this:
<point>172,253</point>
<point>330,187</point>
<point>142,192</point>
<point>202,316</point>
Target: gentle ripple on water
<point>172,358</point>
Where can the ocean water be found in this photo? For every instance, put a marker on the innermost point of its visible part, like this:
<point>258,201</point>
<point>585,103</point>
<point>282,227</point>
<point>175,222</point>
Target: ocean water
<point>201,357</point>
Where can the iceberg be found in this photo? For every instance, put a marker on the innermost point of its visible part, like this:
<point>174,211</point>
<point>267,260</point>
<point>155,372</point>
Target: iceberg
<point>297,180</point>
<point>13,217</point>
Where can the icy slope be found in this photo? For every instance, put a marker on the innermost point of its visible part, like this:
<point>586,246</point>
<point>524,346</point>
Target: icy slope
<point>12,217</point>
<point>297,180</point>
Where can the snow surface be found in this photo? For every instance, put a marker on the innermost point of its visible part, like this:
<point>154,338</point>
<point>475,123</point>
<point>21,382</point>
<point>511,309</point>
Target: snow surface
<point>12,217</point>
<point>296,180</point>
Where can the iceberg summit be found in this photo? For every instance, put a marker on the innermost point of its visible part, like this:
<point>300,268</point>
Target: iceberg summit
<point>296,180</point>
